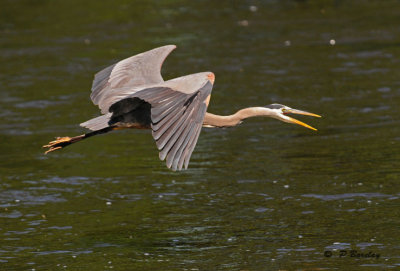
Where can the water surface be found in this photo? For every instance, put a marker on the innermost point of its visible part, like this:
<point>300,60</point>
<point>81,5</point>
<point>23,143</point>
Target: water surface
<point>261,196</point>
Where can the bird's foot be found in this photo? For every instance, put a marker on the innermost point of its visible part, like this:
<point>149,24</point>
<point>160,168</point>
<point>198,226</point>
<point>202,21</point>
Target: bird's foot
<point>57,144</point>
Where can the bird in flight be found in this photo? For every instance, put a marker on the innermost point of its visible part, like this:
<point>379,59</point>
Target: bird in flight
<point>133,94</point>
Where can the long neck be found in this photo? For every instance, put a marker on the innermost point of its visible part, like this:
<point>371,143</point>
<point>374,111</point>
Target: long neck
<point>212,120</point>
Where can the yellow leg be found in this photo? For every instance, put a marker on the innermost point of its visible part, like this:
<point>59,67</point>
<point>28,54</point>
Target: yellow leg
<point>61,142</point>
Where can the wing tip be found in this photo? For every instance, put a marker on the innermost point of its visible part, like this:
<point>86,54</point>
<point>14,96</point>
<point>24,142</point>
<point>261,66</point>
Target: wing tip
<point>173,46</point>
<point>168,47</point>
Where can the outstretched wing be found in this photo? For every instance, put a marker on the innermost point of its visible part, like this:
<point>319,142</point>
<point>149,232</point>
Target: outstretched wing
<point>177,118</point>
<point>135,71</point>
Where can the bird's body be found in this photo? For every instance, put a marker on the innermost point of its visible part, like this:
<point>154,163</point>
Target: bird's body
<point>132,94</point>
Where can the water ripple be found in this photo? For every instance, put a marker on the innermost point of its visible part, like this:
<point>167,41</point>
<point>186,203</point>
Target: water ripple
<point>346,196</point>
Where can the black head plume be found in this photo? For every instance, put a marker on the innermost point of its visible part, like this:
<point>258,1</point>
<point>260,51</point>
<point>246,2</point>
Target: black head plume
<point>274,106</point>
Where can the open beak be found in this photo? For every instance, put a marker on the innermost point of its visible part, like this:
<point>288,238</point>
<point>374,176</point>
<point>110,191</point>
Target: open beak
<point>299,112</point>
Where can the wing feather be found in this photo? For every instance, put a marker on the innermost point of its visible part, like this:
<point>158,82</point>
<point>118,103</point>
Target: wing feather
<point>177,119</point>
<point>166,141</point>
<point>180,146</point>
<point>176,115</point>
<point>176,151</point>
<point>135,71</point>
<point>187,152</point>
<point>178,143</point>
<point>190,149</point>
<point>167,122</point>
<point>159,112</point>
<point>178,106</point>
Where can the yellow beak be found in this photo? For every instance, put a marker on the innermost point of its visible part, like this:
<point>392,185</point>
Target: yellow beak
<point>300,112</point>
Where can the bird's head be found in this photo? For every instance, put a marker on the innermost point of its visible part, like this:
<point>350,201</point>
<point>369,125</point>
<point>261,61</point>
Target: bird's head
<point>280,112</point>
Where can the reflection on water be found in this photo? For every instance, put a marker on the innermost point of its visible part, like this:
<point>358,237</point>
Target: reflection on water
<point>263,195</point>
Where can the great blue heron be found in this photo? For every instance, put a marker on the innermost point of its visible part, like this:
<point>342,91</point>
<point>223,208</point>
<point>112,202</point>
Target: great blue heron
<point>132,94</point>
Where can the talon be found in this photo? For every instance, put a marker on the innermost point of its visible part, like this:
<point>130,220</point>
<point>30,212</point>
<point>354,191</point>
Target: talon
<point>57,144</point>
<point>62,139</point>
<point>52,149</point>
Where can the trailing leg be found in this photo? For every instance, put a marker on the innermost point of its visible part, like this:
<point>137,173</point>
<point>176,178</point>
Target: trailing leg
<point>62,142</point>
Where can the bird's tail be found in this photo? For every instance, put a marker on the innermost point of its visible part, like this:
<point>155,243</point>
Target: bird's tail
<point>62,142</point>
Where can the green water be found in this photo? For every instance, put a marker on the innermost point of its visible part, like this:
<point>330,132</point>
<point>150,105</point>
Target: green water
<point>265,195</point>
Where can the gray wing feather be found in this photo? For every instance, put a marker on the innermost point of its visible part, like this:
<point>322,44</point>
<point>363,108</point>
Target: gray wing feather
<point>184,144</point>
<point>189,150</point>
<point>161,127</point>
<point>176,121</point>
<point>161,109</point>
<point>166,140</point>
<point>171,136</point>
<point>138,70</point>
<point>179,147</point>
